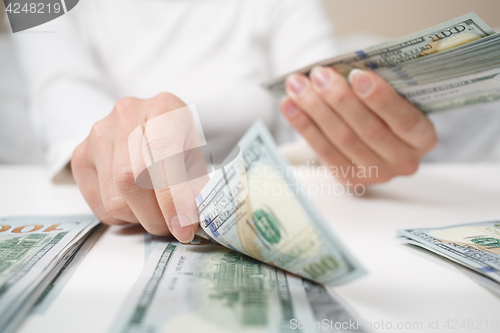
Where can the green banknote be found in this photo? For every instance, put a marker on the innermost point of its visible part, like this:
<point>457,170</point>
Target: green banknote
<point>255,206</point>
<point>431,63</point>
<point>32,252</point>
<point>455,93</point>
<point>442,37</point>
<point>474,245</point>
<point>48,296</point>
<point>479,55</point>
<point>204,287</point>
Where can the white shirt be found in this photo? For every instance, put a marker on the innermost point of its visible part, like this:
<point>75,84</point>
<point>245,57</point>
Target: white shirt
<point>212,53</point>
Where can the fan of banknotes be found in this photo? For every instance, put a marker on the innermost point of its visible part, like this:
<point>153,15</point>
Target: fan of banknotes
<point>33,251</point>
<point>449,66</point>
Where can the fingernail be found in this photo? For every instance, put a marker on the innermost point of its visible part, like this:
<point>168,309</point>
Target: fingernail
<point>181,228</point>
<point>361,82</point>
<point>289,108</point>
<point>320,77</point>
<point>296,84</point>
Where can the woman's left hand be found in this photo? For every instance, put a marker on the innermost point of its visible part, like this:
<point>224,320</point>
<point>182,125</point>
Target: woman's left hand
<point>366,124</point>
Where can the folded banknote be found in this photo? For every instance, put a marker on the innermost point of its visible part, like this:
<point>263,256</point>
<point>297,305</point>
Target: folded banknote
<point>255,206</point>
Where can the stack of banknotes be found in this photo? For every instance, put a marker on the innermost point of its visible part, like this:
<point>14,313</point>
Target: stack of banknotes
<point>204,287</point>
<point>474,245</point>
<point>449,66</point>
<point>33,252</point>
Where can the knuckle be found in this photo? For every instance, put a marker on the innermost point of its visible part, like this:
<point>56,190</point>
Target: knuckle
<point>166,97</point>
<point>347,139</point>
<point>117,207</point>
<point>411,123</point>
<point>124,178</point>
<point>376,132</point>
<point>167,101</point>
<point>99,130</point>
<point>124,105</point>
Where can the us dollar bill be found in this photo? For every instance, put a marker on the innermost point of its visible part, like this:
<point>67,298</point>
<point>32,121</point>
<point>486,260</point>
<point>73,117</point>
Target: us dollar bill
<point>32,252</point>
<point>50,293</point>
<point>455,93</point>
<point>394,59</point>
<point>473,245</point>
<point>204,287</point>
<point>479,55</point>
<point>255,206</point>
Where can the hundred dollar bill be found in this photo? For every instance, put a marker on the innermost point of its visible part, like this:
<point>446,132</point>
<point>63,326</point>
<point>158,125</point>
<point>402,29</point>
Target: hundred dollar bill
<point>455,93</point>
<point>48,296</point>
<point>32,252</point>
<point>254,206</point>
<point>481,54</point>
<point>436,40</point>
<point>474,245</point>
<point>204,287</point>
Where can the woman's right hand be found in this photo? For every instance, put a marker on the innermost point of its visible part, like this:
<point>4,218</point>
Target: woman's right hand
<point>134,136</point>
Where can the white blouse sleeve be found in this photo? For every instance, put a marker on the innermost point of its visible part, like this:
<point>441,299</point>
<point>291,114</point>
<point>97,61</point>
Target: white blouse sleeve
<point>301,33</point>
<point>67,90</point>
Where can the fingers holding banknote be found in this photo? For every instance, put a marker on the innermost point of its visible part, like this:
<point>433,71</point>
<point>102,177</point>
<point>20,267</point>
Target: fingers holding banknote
<point>366,124</point>
<point>131,168</point>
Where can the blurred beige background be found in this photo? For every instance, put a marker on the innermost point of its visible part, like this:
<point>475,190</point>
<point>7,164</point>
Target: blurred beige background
<point>395,18</point>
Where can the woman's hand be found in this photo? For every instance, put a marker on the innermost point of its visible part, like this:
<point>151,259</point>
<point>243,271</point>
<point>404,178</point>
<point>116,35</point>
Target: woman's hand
<point>146,140</point>
<point>367,124</point>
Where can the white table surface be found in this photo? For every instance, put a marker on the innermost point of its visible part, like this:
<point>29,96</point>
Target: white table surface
<point>404,286</point>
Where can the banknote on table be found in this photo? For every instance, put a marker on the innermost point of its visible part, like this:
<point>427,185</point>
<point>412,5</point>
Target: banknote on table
<point>32,252</point>
<point>255,206</point>
<point>452,65</point>
<point>50,293</point>
<point>491,285</point>
<point>204,287</point>
<point>474,245</point>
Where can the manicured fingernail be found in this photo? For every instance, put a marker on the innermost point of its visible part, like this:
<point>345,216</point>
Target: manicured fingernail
<point>320,77</point>
<point>181,228</point>
<point>296,84</point>
<point>361,82</point>
<point>289,108</point>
